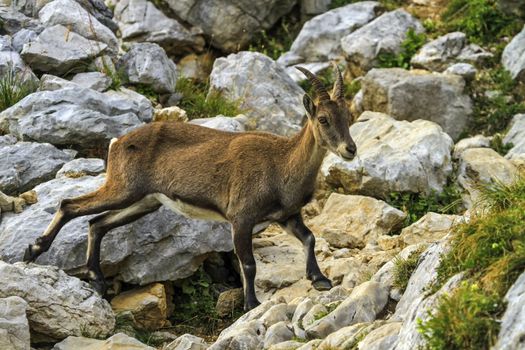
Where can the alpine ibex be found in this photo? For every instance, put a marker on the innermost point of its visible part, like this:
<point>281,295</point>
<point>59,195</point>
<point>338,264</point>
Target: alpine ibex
<point>248,179</point>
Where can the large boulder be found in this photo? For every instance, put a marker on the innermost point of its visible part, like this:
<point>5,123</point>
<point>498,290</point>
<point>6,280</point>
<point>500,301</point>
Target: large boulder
<point>58,50</point>
<point>483,166</point>
<point>430,228</point>
<point>57,305</point>
<point>70,14</point>
<point>268,96</point>
<point>516,137</point>
<point>383,35</point>
<point>353,221</point>
<point>14,327</point>
<point>26,164</point>
<point>512,332</point>
<point>147,64</point>
<point>12,63</point>
<point>161,246</point>
<point>406,95</point>
<point>230,24</point>
<point>513,57</point>
<point>392,156</point>
<point>441,53</point>
<point>320,37</point>
<point>74,116</point>
<point>141,21</point>
<point>119,341</point>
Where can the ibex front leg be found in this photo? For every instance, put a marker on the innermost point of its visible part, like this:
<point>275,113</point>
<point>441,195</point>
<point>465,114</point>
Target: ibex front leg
<point>295,225</point>
<point>242,243</point>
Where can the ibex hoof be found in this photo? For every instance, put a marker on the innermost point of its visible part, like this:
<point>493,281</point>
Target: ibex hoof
<point>29,255</point>
<point>322,284</point>
<point>251,305</point>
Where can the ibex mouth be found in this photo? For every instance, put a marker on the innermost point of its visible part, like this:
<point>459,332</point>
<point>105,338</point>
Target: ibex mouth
<point>346,157</point>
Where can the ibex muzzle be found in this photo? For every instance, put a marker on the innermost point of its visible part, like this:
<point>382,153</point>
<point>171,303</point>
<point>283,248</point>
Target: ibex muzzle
<point>248,179</point>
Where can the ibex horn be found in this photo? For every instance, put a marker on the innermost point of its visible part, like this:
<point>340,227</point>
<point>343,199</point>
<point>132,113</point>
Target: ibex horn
<point>339,90</point>
<point>318,86</point>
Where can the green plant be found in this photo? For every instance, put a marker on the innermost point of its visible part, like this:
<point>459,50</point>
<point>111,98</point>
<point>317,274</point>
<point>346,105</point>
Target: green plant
<point>497,144</point>
<point>463,320</point>
<point>416,205</point>
<point>199,104</point>
<point>481,20</point>
<point>13,88</point>
<point>409,47</point>
<point>279,39</point>
<point>403,268</point>
<point>117,76</point>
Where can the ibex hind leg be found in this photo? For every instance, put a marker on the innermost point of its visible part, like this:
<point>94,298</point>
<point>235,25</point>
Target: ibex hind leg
<point>92,203</point>
<point>102,224</point>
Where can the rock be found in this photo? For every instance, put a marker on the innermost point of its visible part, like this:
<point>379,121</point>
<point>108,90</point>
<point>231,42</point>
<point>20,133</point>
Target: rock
<point>479,166</point>
<point>347,271</point>
<point>229,301</point>
<point>441,53</point>
<point>148,305</point>
<point>222,123</point>
<point>196,67</point>
<point>303,307</point>
<point>513,57</point>
<point>58,305</point>
<point>147,64</point>
<point>382,338</point>
<point>247,336</point>
<point>424,274</point>
<point>407,95</point>
<point>93,80</point>
<point>383,35</point>
<point>478,141</point>
<point>187,342</point>
<point>464,70</point>
<point>392,156</point>
<point>82,167</point>
<point>516,137</point>
<point>74,117</point>
<point>267,94</point>
<point>231,25</point>
<point>512,7</point>
<point>512,332</point>
<point>12,63</point>
<point>363,305</point>
<point>316,312</point>
<point>141,21</point>
<point>26,164</point>
<point>353,221</point>
<point>430,228</point>
<point>280,312</point>
<point>8,204</point>
<point>14,21</point>
<point>420,309</point>
<point>59,51</point>
<point>14,328</point>
<point>22,37</point>
<point>345,338</point>
<point>71,15</point>
<point>49,82</point>
<point>170,114</point>
<point>311,345</point>
<point>141,103</point>
<point>287,345</point>
<point>162,246</point>
<point>117,341</point>
<point>320,38</point>
<point>277,333</point>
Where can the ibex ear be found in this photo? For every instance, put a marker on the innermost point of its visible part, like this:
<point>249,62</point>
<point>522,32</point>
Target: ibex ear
<point>309,106</point>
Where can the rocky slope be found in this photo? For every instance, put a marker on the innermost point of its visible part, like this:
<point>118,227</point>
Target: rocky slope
<point>438,119</point>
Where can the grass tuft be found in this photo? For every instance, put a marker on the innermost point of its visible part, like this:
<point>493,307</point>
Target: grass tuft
<point>13,88</point>
<point>412,43</point>
<point>403,269</point>
<point>199,104</point>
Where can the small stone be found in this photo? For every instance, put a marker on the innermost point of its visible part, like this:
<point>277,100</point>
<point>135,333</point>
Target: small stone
<point>170,114</point>
<point>229,301</point>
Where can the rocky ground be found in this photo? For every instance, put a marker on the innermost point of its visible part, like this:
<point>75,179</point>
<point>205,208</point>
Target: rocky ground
<point>437,100</point>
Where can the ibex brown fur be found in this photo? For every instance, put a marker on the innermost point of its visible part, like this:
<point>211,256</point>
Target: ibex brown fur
<point>248,179</point>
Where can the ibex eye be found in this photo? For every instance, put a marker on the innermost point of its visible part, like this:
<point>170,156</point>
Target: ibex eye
<point>323,120</point>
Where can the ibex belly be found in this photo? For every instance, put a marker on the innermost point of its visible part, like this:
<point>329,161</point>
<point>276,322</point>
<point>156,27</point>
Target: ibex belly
<point>189,210</point>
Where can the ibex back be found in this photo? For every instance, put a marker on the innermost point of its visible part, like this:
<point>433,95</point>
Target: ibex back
<point>248,179</point>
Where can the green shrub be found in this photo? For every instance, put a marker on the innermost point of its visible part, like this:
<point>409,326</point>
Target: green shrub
<point>463,320</point>
<point>497,144</point>
<point>403,269</point>
<point>480,20</point>
<point>416,205</point>
<point>13,88</point>
<point>409,47</point>
<point>199,104</point>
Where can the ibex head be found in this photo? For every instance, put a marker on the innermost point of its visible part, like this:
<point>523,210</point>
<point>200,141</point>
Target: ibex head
<point>330,116</point>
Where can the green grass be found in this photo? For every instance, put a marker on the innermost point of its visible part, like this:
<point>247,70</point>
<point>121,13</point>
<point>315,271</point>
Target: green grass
<point>490,251</point>
<point>199,104</point>
<point>412,43</point>
<point>13,88</point>
<point>416,205</point>
<point>463,320</point>
<point>497,144</point>
<point>403,269</point>
<point>480,20</point>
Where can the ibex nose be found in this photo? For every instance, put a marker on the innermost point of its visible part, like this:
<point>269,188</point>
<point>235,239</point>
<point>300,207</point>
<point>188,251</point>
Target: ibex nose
<point>347,151</point>
<point>350,149</point>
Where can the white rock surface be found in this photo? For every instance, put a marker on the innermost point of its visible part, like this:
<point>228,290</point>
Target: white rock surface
<point>14,327</point>
<point>115,342</point>
<point>478,141</point>
<point>512,333</point>
<point>81,167</point>
<point>513,57</point>
<point>430,228</point>
<point>516,136</point>
<point>92,80</point>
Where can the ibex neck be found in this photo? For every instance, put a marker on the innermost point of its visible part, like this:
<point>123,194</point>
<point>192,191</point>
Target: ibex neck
<point>306,155</point>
